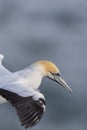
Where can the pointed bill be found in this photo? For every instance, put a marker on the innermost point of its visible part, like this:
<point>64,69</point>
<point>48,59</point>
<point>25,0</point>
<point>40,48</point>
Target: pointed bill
<point>63,83</point>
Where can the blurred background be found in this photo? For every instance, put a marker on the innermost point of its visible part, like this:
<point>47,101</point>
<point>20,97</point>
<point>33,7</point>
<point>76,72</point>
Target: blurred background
<point>54,30</point>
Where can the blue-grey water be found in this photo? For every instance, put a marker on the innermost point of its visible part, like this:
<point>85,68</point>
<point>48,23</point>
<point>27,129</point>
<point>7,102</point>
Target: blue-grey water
<point>55,30</point>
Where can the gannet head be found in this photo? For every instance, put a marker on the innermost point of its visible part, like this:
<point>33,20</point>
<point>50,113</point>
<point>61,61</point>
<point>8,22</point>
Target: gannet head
<point>51,71</point>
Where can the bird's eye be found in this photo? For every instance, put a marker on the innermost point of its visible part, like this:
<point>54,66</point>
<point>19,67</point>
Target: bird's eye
<point>52,73</point>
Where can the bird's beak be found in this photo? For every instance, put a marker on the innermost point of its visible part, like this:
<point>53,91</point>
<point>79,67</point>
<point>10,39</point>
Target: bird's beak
<point>61,81</point>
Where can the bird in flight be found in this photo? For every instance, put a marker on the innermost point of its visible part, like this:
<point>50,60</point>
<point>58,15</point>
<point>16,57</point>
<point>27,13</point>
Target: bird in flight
<point>21,89</point>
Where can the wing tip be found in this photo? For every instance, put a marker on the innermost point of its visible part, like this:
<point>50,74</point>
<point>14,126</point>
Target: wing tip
<point>1,57</point>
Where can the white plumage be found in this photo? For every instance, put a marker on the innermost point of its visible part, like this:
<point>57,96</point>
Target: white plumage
<point>21,89</point>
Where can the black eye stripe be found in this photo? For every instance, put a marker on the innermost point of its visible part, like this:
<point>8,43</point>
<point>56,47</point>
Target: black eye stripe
<point>58,74</point>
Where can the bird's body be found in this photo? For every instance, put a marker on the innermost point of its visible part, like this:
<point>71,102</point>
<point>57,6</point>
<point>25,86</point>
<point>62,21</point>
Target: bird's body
<point>21,89</point>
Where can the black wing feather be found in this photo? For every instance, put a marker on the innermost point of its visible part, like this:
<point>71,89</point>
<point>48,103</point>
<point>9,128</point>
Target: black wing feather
<point>29,110</point>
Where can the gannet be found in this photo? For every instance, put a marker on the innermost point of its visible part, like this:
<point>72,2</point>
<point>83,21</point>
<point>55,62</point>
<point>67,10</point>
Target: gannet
<point>21,89</point>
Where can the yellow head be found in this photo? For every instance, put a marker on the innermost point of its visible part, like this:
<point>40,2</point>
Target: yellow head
<point>51,71</point>
<point>48,66</point>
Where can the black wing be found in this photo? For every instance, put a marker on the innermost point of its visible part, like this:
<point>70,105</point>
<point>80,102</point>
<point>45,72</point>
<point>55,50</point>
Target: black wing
<point>29,110</point>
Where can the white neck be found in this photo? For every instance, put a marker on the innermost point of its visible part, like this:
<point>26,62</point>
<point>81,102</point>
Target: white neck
<point>31,77</point>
